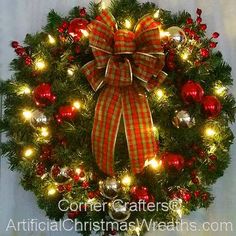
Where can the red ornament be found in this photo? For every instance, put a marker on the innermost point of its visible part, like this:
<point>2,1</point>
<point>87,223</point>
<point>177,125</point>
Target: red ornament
<point>192,92</point>
<point>40,169</point>
<point>77,49</point>
<point>64,25</point>
<point>60,188</point>
<point>199,11</point>
<point>189,163</point>
<point>28,61</point>
<point>189,21</point>
<point>197,193</point>
<point>43,95</point>
<point>201,153</point>
<point>76,26</point>
<point>215,35</point>
<point>213,157</point>
<point>73,214</point>
<point>83,12</point>
<point>65,113</point>
<point>204,52</point>
<point>91,195</point>
<point>213,44</point>
<point>199,20</point>
<point>60,30</point>
<point>85,184</point>
<point>14,44</point>
<point>55,170</point>
<point>212,167</point>
<point>211,106</point>
<point>68,187</point>
<point>205,196</point>
<point>173,161</point>
<point>141,193</point>
<point>20,51</point>
<point>196,180</point>
<point>71,58</point>
<point>76,178</point>
<point>203,27</point>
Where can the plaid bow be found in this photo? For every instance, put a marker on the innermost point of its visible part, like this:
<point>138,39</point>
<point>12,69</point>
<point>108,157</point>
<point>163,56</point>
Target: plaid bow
<point>125,62</point>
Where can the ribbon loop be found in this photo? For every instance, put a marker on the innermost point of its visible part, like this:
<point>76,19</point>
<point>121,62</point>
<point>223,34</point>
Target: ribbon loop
<point>120,57</point>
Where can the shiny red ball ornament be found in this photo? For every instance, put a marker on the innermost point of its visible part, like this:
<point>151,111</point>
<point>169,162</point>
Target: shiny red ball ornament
<point>64,25</point>
<point>46,152</point>
<point>213,44</point>
<point>76,26</point>
<point>192,92</point>
<point>43,95</point>
<point>173,161</point>
<point>199,11</point>
<point>73,214</point>
<point>204,52</point>
<point>203,27</point>
<point>186,195</point>
<point>215,35</point>
<point>14,44</point>
<point>141,193</point>
<point>85,184</point>
<point>83,12</point>
<point>211,106</point>
<point>197,193</point>
<point>20,51</point>
<point>65,113</point>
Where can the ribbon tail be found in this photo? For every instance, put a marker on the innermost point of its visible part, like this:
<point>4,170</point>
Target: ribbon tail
<point>138,127</point>
<point>105,128</point>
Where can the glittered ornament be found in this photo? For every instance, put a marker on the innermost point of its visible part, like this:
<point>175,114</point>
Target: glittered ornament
<point>40,169</point>
<point>59,174</point>
<point>119,210</point>
<point>185,195</point>
<point>46,152</point>
<point>83,12</point>
<point>211,106</point>
<point>43,95</point>
<point>205,196</point>
<point>176,35</point>
<point>197,193</point>
<point>38,119</point>
<point>65,113</point>
<point>110,187</point>
<point>192,92</point>
<point>85,184</point>
<point>76,27</point>
<point>141,193</point>
<point>182,119</point>
<point>173,161</point>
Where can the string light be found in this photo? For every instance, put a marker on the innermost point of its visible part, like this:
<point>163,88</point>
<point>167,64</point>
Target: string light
<point>77,105</point>
<point>153,163</point>
<point>40,64</point>
<point>137,230</point>
<point>28,152</point>
<point>70,71</point>
<point>24,90</point>
<point>159,93</point>
<point>85,33</point>
<point>179,212</point>
<point>185,56</point>
<point>51,191</point>
<point>156,14</point>
<point>78,171</point>
<point>220,90</point>
<point>44,132</point>
<point>126,180</point>
<point>103,5</point>
<point>212,149</point>
<point>27,114</point>
<point>210,132</point>
<point>51,40</point>
<point>128,24</point>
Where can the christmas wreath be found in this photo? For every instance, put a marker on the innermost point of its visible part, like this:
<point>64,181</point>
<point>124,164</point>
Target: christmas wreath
<point>129,102</point>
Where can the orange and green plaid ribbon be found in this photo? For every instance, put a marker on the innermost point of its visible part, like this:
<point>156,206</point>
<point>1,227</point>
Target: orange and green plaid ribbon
<point>125,62</point>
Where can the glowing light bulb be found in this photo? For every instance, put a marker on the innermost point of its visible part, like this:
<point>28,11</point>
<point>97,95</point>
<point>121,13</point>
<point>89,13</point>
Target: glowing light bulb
<point>78,171</point>
<point>85,33</point>
<point>24,90</point>
<point>51,40</point>
<point>77,105</point>
<point>28,152</point>
<point>220,90</point>
<point>40,64</point>
<point>27,114</point>
<point>185,56</point>
<point>156,14</point>
<point>137,230</point>
<point>128,24</point>
<point>103,5</point>
<point>70,71</point>
<point>164,34</point>
<point>179,212</point>
<point>126,180</point>
<point>210,132</point>
<point>52,191</point>
<point>44,132</point>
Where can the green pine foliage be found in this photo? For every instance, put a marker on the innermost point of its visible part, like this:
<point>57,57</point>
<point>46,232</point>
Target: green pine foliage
<point>212,71</point>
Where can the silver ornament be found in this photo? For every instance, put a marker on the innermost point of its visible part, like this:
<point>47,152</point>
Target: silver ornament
<point>60,175</point>
<point>182,119</point>
<point>38,119</point>
<point>176,34</point>
<point>119,210</point>
<point>109,187</point>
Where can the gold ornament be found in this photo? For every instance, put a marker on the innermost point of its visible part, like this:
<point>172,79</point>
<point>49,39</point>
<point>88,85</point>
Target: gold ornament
<point>176,35</point>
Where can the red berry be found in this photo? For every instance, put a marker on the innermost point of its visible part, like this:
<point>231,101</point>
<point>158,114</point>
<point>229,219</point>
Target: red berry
<point>212,167</point>
<point>20,51</point>
<point>83,12</point>
<point>71,58</point>
<point>60,188</point>
<point>189,163</point>
<point>85,184</point>
<point>77,49</point>
<point>64,25</point>
<point>199,11</point>
<point>14,44</point>
<point>197,193</point>
<point>196,180</point>
<point>201,153</point>
<point>199,20</point>
<point>205,196</point>
<point>76,178</point>
<point>189,21</point>
<point>68,187</point>
<point>213,44</point>
<point>203,27</point>
<point>186,196</point>
<point>213,157</point>
<point>204,52</point>
<point>91,195</point>
<point>187,30</point>
<point>28,61</point>
<point>215,35</point>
